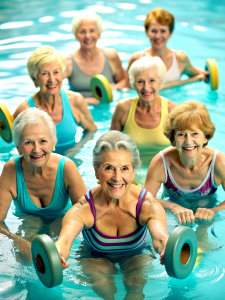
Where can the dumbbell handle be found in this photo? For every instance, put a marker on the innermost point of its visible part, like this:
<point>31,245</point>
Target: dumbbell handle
<point>196,78</point>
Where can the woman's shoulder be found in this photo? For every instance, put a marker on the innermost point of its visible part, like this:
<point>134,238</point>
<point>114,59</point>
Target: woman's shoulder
<point>181,56</point>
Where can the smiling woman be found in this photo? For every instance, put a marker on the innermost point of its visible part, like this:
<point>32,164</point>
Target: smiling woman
<point>190,169</point>
<point>38,181</point>
<point>159,26</point>
<point>68,109</point>
<point>142,117</point>
<point>114,218</point>
<point>89,59</point>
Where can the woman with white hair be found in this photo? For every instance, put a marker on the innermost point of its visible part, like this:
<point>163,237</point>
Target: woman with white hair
<point>141,117</point>
<point>68,110</point>
<point>89,59</point>
<point>39,182</point>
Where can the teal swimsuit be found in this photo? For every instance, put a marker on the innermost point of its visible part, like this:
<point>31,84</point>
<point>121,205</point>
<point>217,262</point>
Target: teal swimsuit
<point>60,201</point>
<point>67,128</point>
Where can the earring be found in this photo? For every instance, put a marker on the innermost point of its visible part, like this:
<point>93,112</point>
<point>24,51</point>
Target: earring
<point>53,148</point>
<point>98,182</point>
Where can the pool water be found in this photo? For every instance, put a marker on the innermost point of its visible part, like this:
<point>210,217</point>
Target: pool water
<point>199,31</point>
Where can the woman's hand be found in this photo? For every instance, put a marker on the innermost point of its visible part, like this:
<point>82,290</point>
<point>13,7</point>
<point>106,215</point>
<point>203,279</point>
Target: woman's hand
<point>185,216</point>
<point>64,263</point>
<point>204,214</point>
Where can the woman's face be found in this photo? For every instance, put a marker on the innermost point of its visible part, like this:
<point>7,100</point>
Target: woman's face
<point>115,173</point>
<point>147,85</point>
<point>189,143</point>
<point>49,78</point>
<point>158,35</point>
<point>35,144</point>
<point>87,34</point>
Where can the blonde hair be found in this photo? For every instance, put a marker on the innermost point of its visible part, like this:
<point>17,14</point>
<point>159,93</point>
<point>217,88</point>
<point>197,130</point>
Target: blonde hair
<point>161,16</point>
<point>41,56</point>
<point>145,63</point>
<point>188,115</point>
<point>86,15</point>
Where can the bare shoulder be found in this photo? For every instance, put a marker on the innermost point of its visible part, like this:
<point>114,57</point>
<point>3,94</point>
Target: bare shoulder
<point>75,98</point>
<point>150,209</point>
<point>181,56</point>
<point>23,106</point>
<point>124,104</point>
<point>110,53</point>
<point>8,175</point>
<point>135,56</point>
<point>171,105</point>
<point>220,162</point>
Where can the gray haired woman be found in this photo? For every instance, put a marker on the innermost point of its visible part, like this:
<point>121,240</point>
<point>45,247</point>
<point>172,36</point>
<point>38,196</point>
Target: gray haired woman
<point>39,182</point>
<point>89,59</point>
<point>142,117</point>
<point>114,218</point>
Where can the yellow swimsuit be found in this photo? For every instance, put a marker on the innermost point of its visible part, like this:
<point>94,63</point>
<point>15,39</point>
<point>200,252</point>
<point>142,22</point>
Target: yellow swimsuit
<point>149,141</point>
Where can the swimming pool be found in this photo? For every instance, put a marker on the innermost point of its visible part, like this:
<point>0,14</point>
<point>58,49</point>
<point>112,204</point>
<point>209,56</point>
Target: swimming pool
<point>199,30</point>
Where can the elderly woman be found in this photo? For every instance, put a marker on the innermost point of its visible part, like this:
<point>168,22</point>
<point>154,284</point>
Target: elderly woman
<point>190,170</point>
<point>89,59</point>
<point>39,182</point>
<point>142,117</point>
<point>159,25</point>
<point>114,217</point>
<point>67,109</point>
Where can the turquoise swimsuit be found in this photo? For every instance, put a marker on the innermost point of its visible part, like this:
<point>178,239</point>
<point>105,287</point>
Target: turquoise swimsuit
<point>67,128</point>
<point>115,244</point>
<point>60,201</point>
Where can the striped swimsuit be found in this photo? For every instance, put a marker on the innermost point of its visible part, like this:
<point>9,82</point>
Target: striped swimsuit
<point>110,244</point>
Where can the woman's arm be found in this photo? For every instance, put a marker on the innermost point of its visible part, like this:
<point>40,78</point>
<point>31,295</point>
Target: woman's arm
<point>81,112</point>
<point>219,178</point>
<point>73,181</point>
<point>187,67</point>
<point>77,217</point>
<point>119,74</point>
<point>120,114</point>
<point>155,177</point>
<point>153,215</point>
<point>23,106</point>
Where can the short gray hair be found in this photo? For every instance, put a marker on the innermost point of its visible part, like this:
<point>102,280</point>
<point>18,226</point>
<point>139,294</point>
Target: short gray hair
<point>145,63</point>
<point>114,140</point>
<point>32,116</point>
<point>86,15</point>
<point>41,56</point>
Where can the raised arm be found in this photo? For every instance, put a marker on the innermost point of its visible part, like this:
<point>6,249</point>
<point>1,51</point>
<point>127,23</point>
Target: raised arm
<point>78,217</point>
<point>153,215</point>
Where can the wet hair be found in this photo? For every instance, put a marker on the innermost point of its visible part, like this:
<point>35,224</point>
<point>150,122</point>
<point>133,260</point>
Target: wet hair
<point>161,16</point>
<point>188,116</point>
<point>114,140</point>
<point>42,56</point>
<point>145,63</point>
<point>29,117</point>
<point>86,15</point>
